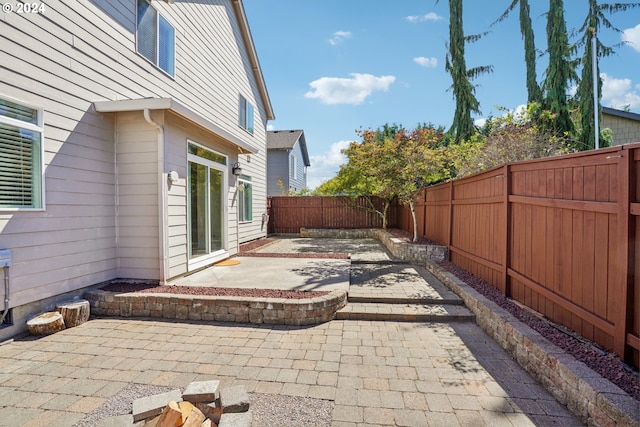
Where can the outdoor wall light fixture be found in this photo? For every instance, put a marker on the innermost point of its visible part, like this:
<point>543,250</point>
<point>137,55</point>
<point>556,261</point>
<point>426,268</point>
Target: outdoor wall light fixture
<point>173,176</point>
<point>236,169</point>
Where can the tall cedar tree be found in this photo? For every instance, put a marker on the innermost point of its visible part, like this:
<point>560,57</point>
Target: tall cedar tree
<point>534,93</point>
<point>560,70</point>
<point>591,26</point>
<point>463,91</point>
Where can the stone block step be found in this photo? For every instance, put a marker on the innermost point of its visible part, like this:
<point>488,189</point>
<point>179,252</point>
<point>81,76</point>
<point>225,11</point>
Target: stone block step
<point>405,312</point>
<point>390,299</point>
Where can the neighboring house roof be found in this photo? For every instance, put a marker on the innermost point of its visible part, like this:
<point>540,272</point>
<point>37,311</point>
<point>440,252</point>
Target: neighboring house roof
<point>621,113</point>
<point>286,140</point>
<point>175,107</point>
<point>253,57</point>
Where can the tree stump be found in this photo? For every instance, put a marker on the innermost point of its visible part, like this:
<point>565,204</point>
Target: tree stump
<point>46,323</point>
<point>74,312</point>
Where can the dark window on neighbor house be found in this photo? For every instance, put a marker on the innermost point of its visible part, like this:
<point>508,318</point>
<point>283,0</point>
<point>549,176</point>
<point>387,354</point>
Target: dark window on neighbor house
<point>155,38</point>
<point>20,156</point>
<point>246,115</point>
<point>293,169</point>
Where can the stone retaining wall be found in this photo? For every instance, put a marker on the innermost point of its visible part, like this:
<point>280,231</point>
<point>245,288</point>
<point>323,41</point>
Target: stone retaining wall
<point>273,311</point>
<point>592,398</point>
<point>399,249</point>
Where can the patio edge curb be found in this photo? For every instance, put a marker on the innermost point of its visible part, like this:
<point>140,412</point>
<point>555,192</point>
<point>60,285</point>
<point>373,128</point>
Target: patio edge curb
<point>591,397</point>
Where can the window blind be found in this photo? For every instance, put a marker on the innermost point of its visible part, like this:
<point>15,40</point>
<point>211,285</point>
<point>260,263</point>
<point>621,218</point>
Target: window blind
<point>147,31</point>
<point>19,167</point>
<point>166,48</point>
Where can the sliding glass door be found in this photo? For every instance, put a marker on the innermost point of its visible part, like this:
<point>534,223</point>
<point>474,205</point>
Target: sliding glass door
<point>206,205</point>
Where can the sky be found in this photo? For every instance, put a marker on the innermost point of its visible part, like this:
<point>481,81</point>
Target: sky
<point>335,66</point>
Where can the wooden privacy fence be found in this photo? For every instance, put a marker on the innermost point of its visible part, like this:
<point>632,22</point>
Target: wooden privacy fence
<point>289,214</point>
<point>556,234</point>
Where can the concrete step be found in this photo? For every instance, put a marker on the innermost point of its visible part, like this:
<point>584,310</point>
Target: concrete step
<point>405,312</point>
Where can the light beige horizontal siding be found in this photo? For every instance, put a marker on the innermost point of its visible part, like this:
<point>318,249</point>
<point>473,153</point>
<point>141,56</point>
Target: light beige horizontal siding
<point>137,197</point>
<point>79,52</point>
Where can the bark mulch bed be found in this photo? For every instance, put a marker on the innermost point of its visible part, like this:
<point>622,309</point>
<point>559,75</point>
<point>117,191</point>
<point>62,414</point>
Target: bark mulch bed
<point>255,244</point>
<point>247,248</point>
<point>294,255</point>
<point>146,288</point>
<point>408,237</point>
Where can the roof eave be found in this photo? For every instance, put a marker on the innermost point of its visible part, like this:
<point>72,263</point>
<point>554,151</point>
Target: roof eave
<point>171,104</point>
<point>621,113</point>
<point>305,151</point>
<point>253,57</point>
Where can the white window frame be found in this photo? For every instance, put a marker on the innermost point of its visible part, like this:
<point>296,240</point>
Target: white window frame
<point>156,61</point>
<point>37,127</point>
<point>246,114</point>
<point>243,181</point>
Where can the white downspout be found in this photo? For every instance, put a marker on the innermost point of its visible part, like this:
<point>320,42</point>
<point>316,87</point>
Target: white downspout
<point>162,198</point>
<point>6,293</point>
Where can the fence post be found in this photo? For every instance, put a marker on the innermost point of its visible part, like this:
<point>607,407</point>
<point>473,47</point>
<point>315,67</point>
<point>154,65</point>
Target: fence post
<point>506,190</point>
<point>424,212</point>
<point>633,275</point>
<point>450,233</point>
<point>621,269</point>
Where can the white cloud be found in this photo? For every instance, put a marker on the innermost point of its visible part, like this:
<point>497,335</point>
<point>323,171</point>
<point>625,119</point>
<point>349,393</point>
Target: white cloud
<point>354,90</point>
<point>431,16</point>
<point>632,36</point>
<point>517,112</point>
<point>426,62</point>
<point>270,126</point>
<point>339,36</point>
<point>619,93</point>
<point>326,165</point>
<point>480,122</point>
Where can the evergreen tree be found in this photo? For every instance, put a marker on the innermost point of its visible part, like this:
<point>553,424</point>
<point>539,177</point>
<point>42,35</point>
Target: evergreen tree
<point>534,93</point>
<point>463,91</point>
<point>560,70</point>
<point>593,22</point>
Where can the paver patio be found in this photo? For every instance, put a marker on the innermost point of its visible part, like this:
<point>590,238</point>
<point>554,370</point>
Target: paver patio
<point>376,372</point>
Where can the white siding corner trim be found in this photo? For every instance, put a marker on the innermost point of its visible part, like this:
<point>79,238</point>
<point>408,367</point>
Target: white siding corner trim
<point>179,109</point>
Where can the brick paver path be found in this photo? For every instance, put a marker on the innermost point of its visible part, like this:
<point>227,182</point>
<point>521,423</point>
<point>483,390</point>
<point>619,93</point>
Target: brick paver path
<point>378,373</point>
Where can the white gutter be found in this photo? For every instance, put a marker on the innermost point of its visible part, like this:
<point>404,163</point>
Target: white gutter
<point>162,199</point>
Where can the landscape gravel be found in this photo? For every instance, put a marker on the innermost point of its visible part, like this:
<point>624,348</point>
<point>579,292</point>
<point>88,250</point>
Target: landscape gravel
<point>121,403</point>
<point>603,362</point>
<point>270,410</point>
<point>275,410</point>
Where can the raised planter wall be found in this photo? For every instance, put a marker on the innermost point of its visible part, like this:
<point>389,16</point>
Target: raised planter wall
<point>592,398</point>
<point>273,311</point>
<point>399,249</point>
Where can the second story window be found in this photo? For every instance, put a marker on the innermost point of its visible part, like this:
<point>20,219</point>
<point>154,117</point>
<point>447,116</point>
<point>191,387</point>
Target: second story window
<point>246,115</point>
<point>155,38</point>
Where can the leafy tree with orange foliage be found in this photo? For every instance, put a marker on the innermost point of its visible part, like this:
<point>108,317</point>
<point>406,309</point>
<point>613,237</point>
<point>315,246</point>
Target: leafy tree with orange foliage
<point>397,163</point>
